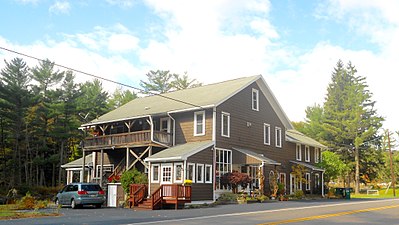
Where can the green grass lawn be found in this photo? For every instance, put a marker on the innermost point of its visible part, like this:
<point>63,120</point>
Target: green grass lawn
<point>10,212</point>
<point>381,194</point>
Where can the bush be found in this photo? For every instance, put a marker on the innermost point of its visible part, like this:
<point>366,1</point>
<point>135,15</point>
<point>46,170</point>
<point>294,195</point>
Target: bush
<point>132,177</point>
<point>27,202</point>
<point>299,194</point>
<point>227,197</point>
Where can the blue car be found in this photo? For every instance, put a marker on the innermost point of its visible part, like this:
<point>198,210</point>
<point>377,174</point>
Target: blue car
<point>79,194</point>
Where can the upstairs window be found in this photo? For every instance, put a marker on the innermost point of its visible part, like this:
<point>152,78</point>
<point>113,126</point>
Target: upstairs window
<point>298,152</point>
<point>199,123</point>
<point>317,155</point>
<point>266,134</point>
<point>307,153</point>
<point>278,137</point>
<point>255,99</point>
<point>225,124</point>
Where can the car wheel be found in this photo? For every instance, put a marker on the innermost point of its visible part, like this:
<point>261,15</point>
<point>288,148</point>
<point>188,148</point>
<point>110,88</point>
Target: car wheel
<point>73,204</point>
<point>98,206</point>
<point>57,202</point>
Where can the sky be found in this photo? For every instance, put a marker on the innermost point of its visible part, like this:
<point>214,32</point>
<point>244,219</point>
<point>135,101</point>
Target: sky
<point>294,44</point>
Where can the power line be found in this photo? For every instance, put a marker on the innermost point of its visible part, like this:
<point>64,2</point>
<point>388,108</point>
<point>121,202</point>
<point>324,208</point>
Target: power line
<point>101,78</point>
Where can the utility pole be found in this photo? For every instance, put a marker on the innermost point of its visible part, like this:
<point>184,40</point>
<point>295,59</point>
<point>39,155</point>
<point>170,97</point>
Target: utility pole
<point>390,158</point>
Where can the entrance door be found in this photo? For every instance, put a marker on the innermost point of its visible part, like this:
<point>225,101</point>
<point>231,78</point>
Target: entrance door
<point>112,190</point>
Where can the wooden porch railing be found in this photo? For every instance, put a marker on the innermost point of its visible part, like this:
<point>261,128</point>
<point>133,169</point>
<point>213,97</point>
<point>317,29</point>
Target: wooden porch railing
<point>137,193</point>
<point>133,138</point>
<point>172,194</point>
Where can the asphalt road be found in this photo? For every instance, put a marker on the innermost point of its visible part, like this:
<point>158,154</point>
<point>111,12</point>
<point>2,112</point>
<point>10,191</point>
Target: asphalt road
<point>292,212</point>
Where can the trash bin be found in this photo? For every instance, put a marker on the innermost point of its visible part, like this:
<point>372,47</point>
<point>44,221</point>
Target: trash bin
<point>347,193</point>
<point>340,192</point>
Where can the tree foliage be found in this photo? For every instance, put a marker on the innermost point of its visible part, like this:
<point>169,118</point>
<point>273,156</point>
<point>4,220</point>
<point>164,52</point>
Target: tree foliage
<point>41,109</point>
<point>162,81</point>
<point>347,122</point>
<point>333,165</point>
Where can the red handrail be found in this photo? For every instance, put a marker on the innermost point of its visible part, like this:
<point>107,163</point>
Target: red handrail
<point>170,191</point>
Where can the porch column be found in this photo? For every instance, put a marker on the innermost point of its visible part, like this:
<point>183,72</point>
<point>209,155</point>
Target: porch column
<point>82,174</point>
<point>101,166</point>
<point>322,183</point>
<point>127,159</point>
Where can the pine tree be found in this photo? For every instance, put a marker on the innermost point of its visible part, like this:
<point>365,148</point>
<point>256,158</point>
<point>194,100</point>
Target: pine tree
<point>350,120</point>
<point>14,101</point>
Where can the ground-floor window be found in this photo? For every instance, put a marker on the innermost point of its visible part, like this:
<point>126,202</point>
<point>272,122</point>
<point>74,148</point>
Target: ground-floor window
<point>190,175</point>
<point>200,173</point>
<point>155,173</point>
<point>178,171</point>
<point>208,174</point>
<point>293,183</point>
<point>223,165</point>
<point>307,178</point>
<point>317,182</point>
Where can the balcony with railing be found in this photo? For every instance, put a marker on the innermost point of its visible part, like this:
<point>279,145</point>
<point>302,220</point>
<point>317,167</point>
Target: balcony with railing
<point>138,138</point>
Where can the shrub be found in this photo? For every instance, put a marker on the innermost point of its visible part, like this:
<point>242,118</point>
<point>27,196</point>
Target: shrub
<point>132,176</point>
<point>27,202</point>
<point>228,197</point>
<point>299,194</point>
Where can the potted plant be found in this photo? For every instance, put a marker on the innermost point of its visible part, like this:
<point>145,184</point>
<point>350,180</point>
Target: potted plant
<point>187,182</point>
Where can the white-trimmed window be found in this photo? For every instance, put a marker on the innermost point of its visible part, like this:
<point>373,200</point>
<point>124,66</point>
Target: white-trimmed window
<point>298,152</point>
<point>316,182</point>
<point>316,155</point>
<point>266,134</point>
<point>223,165</point>
<point>190,175</point>
<point>307,178</point>
<point>208,173</point>
<point>307,153</point>
<point>255,99</point>
<point>155,173</point>
<point>199,123</point>
<point>178,172</point>
<point>200,173</point>
<point>225,124</point>
<point>166,173</point>
<point>278,137</point>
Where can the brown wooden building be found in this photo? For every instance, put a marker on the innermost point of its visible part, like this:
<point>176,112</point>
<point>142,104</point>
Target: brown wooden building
<point>202,133</point>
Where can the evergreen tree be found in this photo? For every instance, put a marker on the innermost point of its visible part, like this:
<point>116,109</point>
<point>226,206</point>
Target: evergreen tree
<point>14,101</point>
<point>184,82</point>
<point>348,122</point>
<point>158,82</point>
<point>120,97</point>
<point>92,102</point>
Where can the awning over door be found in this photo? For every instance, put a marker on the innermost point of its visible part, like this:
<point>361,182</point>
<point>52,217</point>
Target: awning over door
<point>309,166</point>
<point>257,156</point>
<point>179,152</point>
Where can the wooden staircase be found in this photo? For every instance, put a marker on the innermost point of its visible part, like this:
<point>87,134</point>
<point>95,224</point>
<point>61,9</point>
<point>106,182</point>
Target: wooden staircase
<point>165,196</point>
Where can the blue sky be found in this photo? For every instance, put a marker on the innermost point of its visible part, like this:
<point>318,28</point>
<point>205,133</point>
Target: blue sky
<point>294,44</point>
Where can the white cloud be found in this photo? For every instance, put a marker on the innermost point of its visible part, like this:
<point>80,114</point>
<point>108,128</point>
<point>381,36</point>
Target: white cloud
<point>28,1</point>
<point>122,3</point>
<point>117,39</point>
<point>60,7</point>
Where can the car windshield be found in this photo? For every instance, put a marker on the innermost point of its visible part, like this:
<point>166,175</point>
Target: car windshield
<point>91,187</point>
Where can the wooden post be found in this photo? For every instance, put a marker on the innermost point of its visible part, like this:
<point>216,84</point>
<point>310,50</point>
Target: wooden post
<point>127,159</point>
<point>82,174</point>
<point>390,159</point>
<point>101,166</point>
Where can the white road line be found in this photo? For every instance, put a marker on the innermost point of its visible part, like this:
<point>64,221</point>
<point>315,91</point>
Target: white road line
<point>259,212</point>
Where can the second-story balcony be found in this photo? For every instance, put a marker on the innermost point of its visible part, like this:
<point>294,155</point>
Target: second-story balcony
<point>138,138</point>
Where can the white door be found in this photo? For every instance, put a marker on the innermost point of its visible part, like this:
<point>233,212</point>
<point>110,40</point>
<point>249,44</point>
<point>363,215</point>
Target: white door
<point>293,186</point>
<point>111,199</point>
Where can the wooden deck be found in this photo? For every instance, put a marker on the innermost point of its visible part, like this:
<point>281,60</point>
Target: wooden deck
<point>138,138</point>
<point>167,194</point>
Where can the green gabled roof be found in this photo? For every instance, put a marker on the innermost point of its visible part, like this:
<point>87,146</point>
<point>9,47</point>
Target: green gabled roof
<point>179,152</point>
<point>78,162</point>
<point>297,137</point>
<point>203,97</point>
